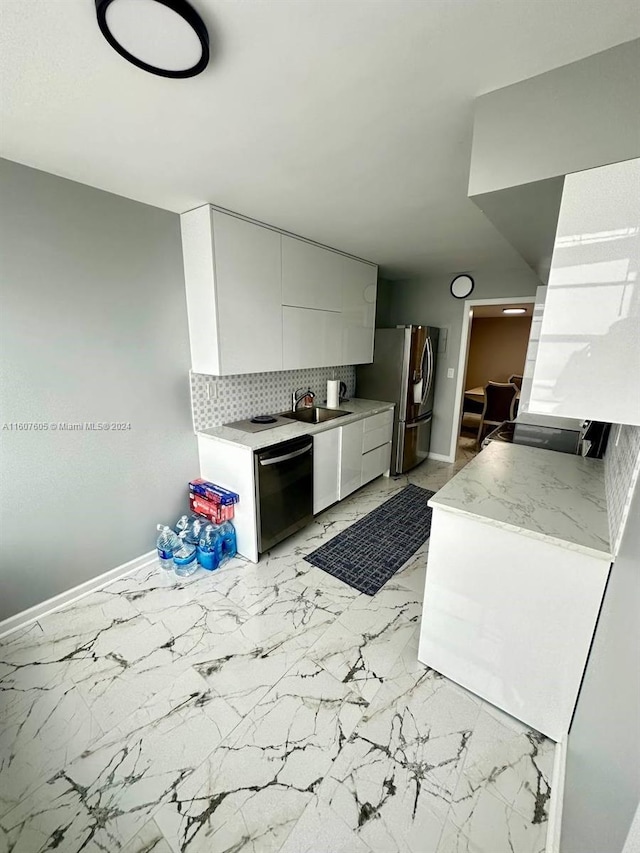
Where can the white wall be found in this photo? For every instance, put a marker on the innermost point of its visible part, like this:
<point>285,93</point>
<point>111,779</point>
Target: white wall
<point>602,783</point>
<point>93,327</point>
<point>575,117</point>
<point>429,302</point>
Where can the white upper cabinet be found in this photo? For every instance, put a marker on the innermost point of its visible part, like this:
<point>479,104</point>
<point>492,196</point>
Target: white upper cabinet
<point>359,285</point>
<point>311,338</point>
<point>232,273</point>
<point>247,264</point>
<point>259,300</point>
<point>311,275</point>
<point>588,359</point>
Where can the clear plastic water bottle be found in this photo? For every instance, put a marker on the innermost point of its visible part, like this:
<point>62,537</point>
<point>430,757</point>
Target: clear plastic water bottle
<point>229,541</point>
<point>184,559</point>
<point>181,524</point>
<point>167,544</point>
<point>193,525</point>
<point>210,548</point>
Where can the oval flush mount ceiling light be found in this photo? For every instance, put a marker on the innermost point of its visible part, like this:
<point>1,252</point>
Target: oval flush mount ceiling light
<point>164,37</point>
<point>514,310</point>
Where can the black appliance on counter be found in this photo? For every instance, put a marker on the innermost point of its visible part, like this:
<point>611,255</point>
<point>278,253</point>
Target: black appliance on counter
<point>284,490</point>
<point>590,441</point>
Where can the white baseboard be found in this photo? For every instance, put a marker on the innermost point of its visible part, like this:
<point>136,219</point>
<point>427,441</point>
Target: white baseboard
<point>21,620</point>
<point>440,457</point>
<point>557,796</point>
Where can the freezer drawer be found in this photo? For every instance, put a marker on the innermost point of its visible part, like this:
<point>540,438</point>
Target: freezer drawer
<point>413,444</point>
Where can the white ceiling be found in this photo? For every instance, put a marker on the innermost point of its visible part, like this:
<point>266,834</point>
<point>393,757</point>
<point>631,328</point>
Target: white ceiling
<point>346,121</point>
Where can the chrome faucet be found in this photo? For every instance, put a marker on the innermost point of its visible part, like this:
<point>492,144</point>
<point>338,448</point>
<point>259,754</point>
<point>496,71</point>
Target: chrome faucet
<point>296,400</point>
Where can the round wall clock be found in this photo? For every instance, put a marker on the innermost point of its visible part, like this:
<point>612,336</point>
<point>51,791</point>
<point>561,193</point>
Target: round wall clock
<point>462,286</point>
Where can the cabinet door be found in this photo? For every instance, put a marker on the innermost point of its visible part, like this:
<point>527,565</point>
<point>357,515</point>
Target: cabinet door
<point>247,280</point>
<point>358,311</point>
<point>588,357</point>
<point>311,338</point>
<point>311,275</point>
<point>350,458</point>
<point>326,469</point>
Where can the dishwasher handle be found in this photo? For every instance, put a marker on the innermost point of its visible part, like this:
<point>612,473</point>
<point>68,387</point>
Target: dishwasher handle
<point>286,456</point>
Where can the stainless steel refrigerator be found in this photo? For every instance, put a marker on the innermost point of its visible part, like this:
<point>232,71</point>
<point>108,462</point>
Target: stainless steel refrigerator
<point>403,372</point>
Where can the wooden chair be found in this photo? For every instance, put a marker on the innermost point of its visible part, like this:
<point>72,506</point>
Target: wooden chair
<point>516,380</point>
<point>499,405</point>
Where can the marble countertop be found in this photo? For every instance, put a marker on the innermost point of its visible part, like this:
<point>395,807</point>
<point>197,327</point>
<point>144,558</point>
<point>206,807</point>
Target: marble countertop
<point>553,496</point>
<point>357,409</point>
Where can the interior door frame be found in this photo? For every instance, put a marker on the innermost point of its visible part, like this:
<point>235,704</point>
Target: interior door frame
<point>465,340</point>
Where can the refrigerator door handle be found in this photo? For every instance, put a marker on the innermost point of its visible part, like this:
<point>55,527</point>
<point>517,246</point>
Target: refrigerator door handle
<point>419,423</point>
<point>428,383</point>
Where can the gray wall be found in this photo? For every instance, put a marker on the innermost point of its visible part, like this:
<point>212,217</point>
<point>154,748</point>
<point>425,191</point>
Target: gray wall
<point>429,302</point>
<point>383,302</point>
<point>572,118</point>
<point>93,327</point>
<point>602,785</point>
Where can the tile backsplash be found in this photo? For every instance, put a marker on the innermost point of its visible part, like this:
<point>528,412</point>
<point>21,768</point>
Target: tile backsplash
<point>245,395</point>
<point>621,470</point>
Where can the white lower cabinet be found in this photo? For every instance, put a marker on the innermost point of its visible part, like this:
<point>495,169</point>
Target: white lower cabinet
<point>375,462</point>
<point>326,469</point>
<point>510,617</point>
<point>350,458</point>
<point>365,451</point>
<point>377,431</point>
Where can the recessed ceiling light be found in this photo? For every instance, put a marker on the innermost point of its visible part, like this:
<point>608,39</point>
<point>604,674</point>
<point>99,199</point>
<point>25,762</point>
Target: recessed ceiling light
<point>165,37</point>
<point>514,310</point>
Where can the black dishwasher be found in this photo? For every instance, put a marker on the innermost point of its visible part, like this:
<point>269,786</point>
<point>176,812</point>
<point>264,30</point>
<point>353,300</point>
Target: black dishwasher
<point>284,490</point>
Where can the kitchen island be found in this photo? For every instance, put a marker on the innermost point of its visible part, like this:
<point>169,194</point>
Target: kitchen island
<point>519,557</point>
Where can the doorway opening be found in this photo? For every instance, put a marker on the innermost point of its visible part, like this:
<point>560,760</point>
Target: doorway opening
<point>495,337</point>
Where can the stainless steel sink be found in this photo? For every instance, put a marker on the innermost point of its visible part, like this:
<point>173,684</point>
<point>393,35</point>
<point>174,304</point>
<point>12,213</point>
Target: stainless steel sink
<point>314,415</point>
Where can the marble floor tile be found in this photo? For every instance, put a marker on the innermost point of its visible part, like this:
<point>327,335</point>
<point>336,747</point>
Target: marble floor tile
<point>259,780</point>
<point>493,827</point>
<point>249,662</point>
<point>362,645</point>
<point>108,793</point>
<point>515,766</point>
<point>320,830</point>
<point>148,840</point>
<point>262,708</point>
<point>394,779</point>
<point>44,731</point>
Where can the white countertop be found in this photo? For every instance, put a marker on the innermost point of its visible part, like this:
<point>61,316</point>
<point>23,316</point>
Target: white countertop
<point>558,497</point>
<point>357,409</point>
